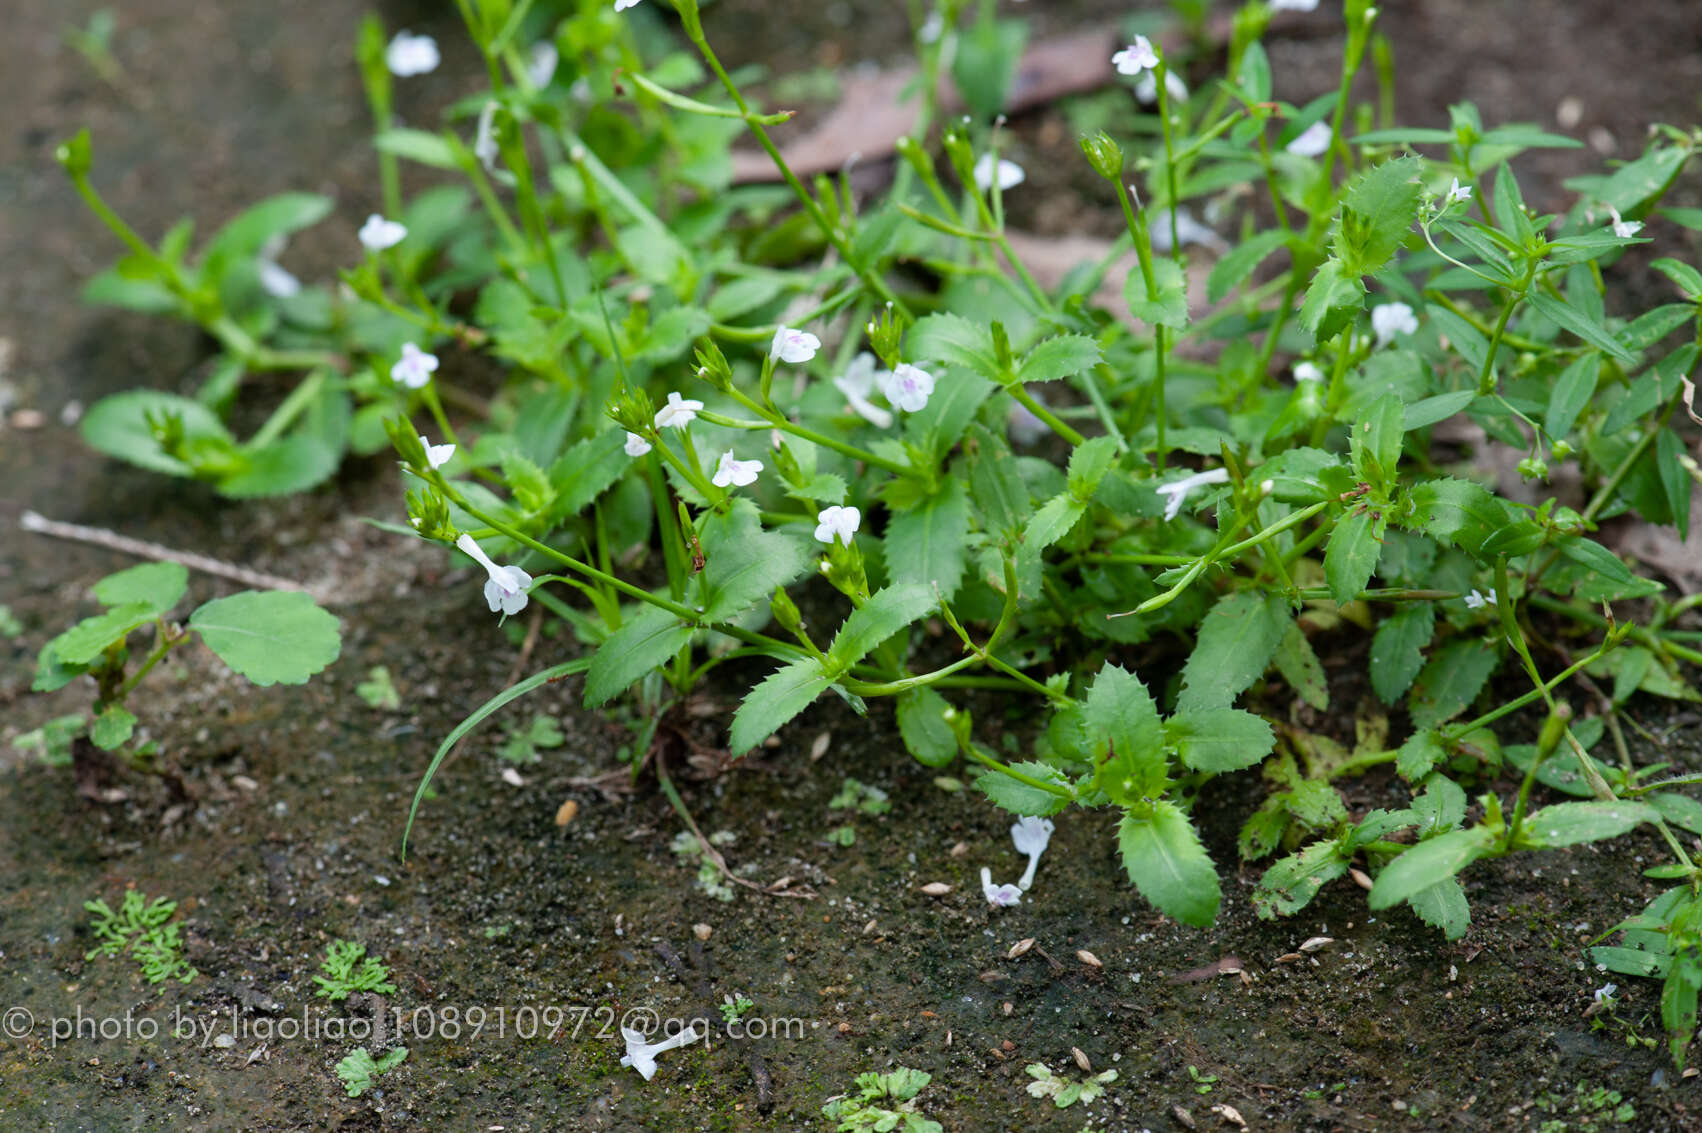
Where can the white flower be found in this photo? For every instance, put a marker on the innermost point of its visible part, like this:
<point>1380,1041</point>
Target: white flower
<point>1307,372</point>
<point>857,383</point>
<point>908,387</point>
<point>793,346</point>
<point>1000,895</point>
<point>414,368</point>
<point>1622,228</point>
<point>1010,173</point>
<point>678,413</point>
<point>1178,490</point>
<point>641,1055</point>
<point>541,64</point>
<point>1477,601</point>
<point>621,6</point>
<point>735,472</point>
<point>1457,192</point>
<point>378,234</point>
<point>932,27</point>
<point>1146,88</point>
<point>1391,319</point>
<point>1294,5</point>
<point>1606,992</point>
<point>276,281</point>
<point>484,136</point>
<point>506,589</point>
<point>1135,58</point>
<point>410,55</point>
<point>437,455</point>
<point>636,445</point>
<point>1187,231</point>
<point>1312,141</point>
<point>837,523</point>
<point>1026,428</point>
<point>1031,836</point>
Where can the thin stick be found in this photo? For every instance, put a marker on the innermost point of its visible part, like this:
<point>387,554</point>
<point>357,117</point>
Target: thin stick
<point>100,537</point>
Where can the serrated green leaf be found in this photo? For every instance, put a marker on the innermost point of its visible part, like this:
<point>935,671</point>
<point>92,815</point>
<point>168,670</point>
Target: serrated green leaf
<point>1062,357</point>
<point>269,636</point>
<point>647,640</point>
<point>996,484</point>
<point>884,614</point>
<point>743,563</point>
<point>585,471</point>
<point>1219,740</point>
<point>1377,212</point>
<point>1089,462</point>
<point>1299,665</point>
<point>1290,883</point>
<point>112,727</point>
<point>1447,685</point>
<point>248,232</point>
<point>1169,306</point>
<point>1456,511</point>
<point>1127,739</point>
<point>1236,642</point>
<point>925,545</point>
<point>923,726</point>
<point>53,673</point>
<point>159,585</point>
<point>1020,798</point>
<point>1420,755</point>
<point>1168,864</point>
<point>954,340</point>
<point>1567,824</point>
<point>779,697</point>
<point>1429,863</point>
<point>1052,521</point>
<point>1351,556</point>
<point>1397,649</point>
<point>89,638</point>
<point>1443,906</point>
<point>1333,299</point>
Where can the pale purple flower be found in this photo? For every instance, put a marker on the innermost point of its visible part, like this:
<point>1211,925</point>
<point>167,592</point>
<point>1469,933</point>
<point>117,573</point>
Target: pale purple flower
<point>837,523</point>
<point>1010,174</point>
<point>1187,231</point>
<point>733,472</point>
<point>793,346</point>
<point>409,55</point>
<point>506,588</point>
<point>999,895</point>
<point>857,383</point>
<point>1135,58</point>
<point>377,234</point>
<point>1391,319</point>
<point>1457,192</point>
<point>1477,601</point>
<point>908,387</point>
<point>1622,228</point>
<point>275,280</point>
<point>414,368</point>
<point>1177,491</point>
<point>678,413</point>
<point>1146,87</point>
<point>636,445</point>
<point>1031,836</point>
<point>640,1053</point>
<point>437,455</point>
<point>1606,992</point>
<point>1312,141</point>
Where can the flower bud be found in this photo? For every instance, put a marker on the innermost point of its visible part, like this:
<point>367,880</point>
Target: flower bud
<point>785,611</point>
<point>1533,468</point>
<point>712,366</point>
<point>1561,450</point>
<point>428,513</point>
<point>885,333</point>
<point>631,409</point>
<point>1105,155</point>
<point>76,155</point>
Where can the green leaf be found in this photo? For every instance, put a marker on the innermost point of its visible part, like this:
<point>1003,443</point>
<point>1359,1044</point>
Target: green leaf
<point>1169,306</point>
<point>1290,884</point>
<point>1397,649</point>
<point>1456,511</point>
<point>1089,462</point>
<point>269,636</point>
<point>1052,521</point>
<point>1218,740</point>
<point>995,483</point>
<point>118,426</point>
<point>1451,681</point>
<point>1419,756</point>
<point>1593,556</point>
<point>1569,318</point>
<point>1298,663</point>
<point>779,697</point>
<point>158,585</point>
<point>1377,212</point>
<point>52,672</point>
<point>1688,279</point>
<point>1018,797</point>
<point>1573,390</point>
<point>985,64</point>
<point>1234,267</point>
<point>956,341</point>
<point>1425,413</point>
<point>883,615</point>
<point>922,724</point>
<point>1236,642</point>
<point>419,146</point>
<point>1443,906</point>
<point>647,640</point>
<point>1375,442</point>
<point>585,471</point>
<point>112,727</point>
<point>743,563</point>
<point>293,464</point>
<point>1429,863</point>
<point>1168,864</point>
<point>1333,299</point>
<point>1567,824</point>
<point>925,545</point>
<point>248,232</point>
<point>1675,481</point>
<point>1122,724</point>
<point>1634,183</point>
<point>89,638</point>
<point>1351,555</point>
<point>1061,357</point>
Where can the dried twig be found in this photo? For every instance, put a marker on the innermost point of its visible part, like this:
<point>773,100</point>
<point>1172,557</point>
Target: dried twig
<point>111,540</point>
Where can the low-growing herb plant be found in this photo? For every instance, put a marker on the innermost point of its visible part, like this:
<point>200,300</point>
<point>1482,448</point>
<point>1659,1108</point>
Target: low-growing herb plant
<point>347,969</point>
<point>379,690</point>
<point>1065,1092</point>
<point>358,1069</point>
<point>523,744</point>
<point>883,1102</point>
<point>146,931</point>
<point>733,1008</point>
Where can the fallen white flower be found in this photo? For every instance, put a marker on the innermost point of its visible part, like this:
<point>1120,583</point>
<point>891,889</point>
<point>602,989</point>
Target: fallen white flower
<point>636,445</point>
<point>1477,601</point>
<point>1000,895</point>
<point>1622,228</point>
<point>641,1054</point>
<point>1031,836</point>
<point>1312,141</point>
<point>1307,372</point>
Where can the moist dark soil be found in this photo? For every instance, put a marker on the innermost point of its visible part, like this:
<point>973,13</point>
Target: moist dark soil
<point>518,944</point>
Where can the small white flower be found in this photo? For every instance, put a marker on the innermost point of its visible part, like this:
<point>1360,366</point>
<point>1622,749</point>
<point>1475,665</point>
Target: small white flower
<point>1178,490</point>
<point>932,27</point>
<point>484,136</point>
<point>1146,88</point>
<point>1391,319</point>
<point>678,413</point>
<point>837,523</point>
<point>378,234</point>
<point>541,64</point>
<point>1312,141</point>
<point>1187,231</point>
<point>437,455</point>
<point>999,895</point>
<point>276,281</point>
<point>735,472</point>
<point>1606,992</point>
<point>857,383</point>
<point>1622,228</point>
<point>1457,192</point>
<point>1026,428</point>
<point>908,387</point>
<point>640,1054</point>
<point>410,55</point>
<point>1477,601</point>
<point>793,346</point>
<point>1307,372</point>
<point>1135,58</point>
<point>506,588</point>
<point>1031,836</point>
<point>621,6</point>
<point>1010,173</point>
<point>414,368</point>
<point>636,445</point>
<point>1294,5</point>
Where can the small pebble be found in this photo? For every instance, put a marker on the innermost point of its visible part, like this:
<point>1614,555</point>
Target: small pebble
<point>702,931</point>
<point>936,889</point>
<point>1088,958</point>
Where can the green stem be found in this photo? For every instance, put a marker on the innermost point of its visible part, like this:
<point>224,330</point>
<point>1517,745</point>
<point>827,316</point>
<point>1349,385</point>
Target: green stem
<point>288,410</point>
